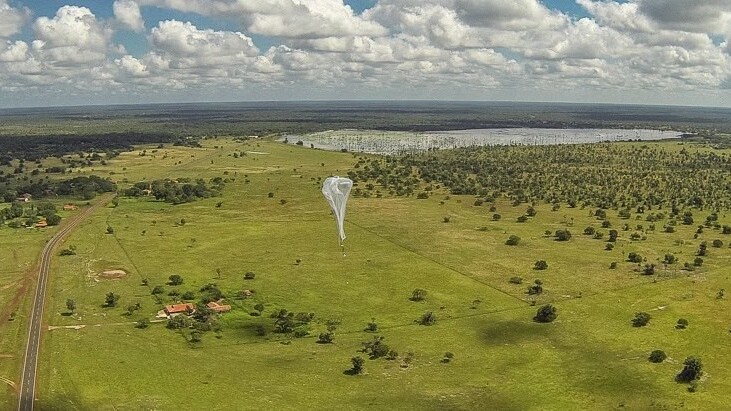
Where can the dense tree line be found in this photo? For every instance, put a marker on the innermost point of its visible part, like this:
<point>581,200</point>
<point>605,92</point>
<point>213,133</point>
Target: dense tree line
<point>182,190</point>
<point>605,175</point>
<point>33,147</point>
<point>86,187</point>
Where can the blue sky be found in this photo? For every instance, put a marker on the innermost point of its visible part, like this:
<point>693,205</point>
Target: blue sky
<point>634,51</point>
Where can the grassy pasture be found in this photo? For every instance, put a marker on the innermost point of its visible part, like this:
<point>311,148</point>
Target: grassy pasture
<point>589,358</point>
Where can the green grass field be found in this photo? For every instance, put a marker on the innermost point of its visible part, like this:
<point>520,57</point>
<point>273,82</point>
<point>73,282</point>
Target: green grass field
<point>589,358</point>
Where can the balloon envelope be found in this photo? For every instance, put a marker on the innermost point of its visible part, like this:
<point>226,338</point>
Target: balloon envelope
<point>336,190</point>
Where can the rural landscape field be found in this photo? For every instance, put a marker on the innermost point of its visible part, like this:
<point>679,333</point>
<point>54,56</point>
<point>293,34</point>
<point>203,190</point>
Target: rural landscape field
<point>500,277</point>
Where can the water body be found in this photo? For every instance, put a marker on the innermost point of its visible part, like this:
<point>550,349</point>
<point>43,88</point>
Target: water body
<point>392,142</point>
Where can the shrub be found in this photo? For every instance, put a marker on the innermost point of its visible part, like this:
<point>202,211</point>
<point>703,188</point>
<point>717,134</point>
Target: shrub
<point>613,265</point>
<point>682,324</point>
<point>540,265</point>
<point>641,319</point>
<point>546,314</point>
<point>669,259</point>
<point>418,295</point>
<point>375,348</point>
<point>143,323</point>
<point>563,235</point>
<point>516,280</point>
<point>175,279</point>
<point>697,262</point>
<point>717,243</point>
<point>513,240</point>
<point>692,370</point>
<point>428,318</point>
<point>649,269</point>
<point>522,219</point>
<point>657,356</point>
<point>371,326</point>
<point>249,275</point>
<point>589,230</point>
<point>609,247</point>
<point>634,257</point>
<point>536,288</point>
<point>496,217</point>
<point>358,363</point>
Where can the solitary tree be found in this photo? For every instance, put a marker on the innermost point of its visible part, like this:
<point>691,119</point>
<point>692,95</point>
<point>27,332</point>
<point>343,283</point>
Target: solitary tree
<point>657,356</point>
<point>358,363</point>
<point>692,370</point>
<point>513,240</point>
<point>71,305</point>
<point>546,314</point>
<point>540,265</point>
<point>641,319</point>
<point>111,299</point>
<point>418,294</point>
<point>175,279</point>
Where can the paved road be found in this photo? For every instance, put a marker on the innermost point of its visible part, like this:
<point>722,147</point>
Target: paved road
<point>30,364</point>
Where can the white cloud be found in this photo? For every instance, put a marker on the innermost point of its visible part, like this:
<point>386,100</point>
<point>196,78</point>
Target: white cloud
<point>12,19</point>
<point>282,18</point>
<point>127,13</point>
<point>72,37</point>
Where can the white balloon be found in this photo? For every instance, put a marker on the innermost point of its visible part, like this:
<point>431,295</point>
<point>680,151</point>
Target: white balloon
<point>336,190</point>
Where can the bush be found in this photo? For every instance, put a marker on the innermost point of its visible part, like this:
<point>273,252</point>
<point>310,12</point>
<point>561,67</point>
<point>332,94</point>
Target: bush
<point>496,217</point>
<point>717,243</point>
<point>326,338</point>
<point>692,370</point>
<point>649,269</point>
<point>516,280</point>
<point>634,257</point>
<point>563,235</point>
<point>536,288</point>
<point>375,348</point>
<point>418,295</point>
<point>522,219</point>
<point>697,262</point>
<point>175,279</point>
<point>682,324</point>
<point>371,327</point>
<point>540,265</point>
<point>249,275</point>
<point>589,230</point>
<point>641,319</point>
<point>613,265</point>
<point>67,251</point>
<point>657,356</point>
<point>358,363</point>
<point>669,259</point>
<point>546,314</point>
<point>428,318</point>
<point>513,240</point>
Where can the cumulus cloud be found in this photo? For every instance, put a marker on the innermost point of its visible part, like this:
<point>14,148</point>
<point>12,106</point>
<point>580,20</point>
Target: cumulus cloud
<point>397,47</point>
<point>72,37</point>
<point>282,18</point>
<point>11,19</point>
<point>127,13</point>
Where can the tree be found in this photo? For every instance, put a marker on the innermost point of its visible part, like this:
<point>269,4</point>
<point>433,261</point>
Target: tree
<point>326,338</point>
<point>53,219</point>
<point>692,370</point>
<point>259,307</point>
<point>697,262</point>
<point>669,259</point>
<point>563,235</point>
<point>111,299</point>
<point>634,257</point>
<point>682,324</point>
<point>540,265</point>
<point>175,279</point>
<point>657,356</point>
<point>715,243</point>
<point>418,294</point>
<point>641,319</point>
<point>496,217</point>
<point>71,305</point>
<point>249,275</point>
<point>546,314</point>
<point>536,288</point>
<point>428,318</point>
<point>649,269</point>
<point>513,240</point>
<point>110,230</point>
<point>371,326</point>
<point>589,230</point>
<point>143,323</point>
<point>376,348</point>
<point>613,235</point>
<point>358,363</point>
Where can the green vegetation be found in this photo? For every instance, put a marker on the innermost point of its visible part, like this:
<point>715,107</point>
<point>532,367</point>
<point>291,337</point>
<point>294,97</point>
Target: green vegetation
<point>396,245</point>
